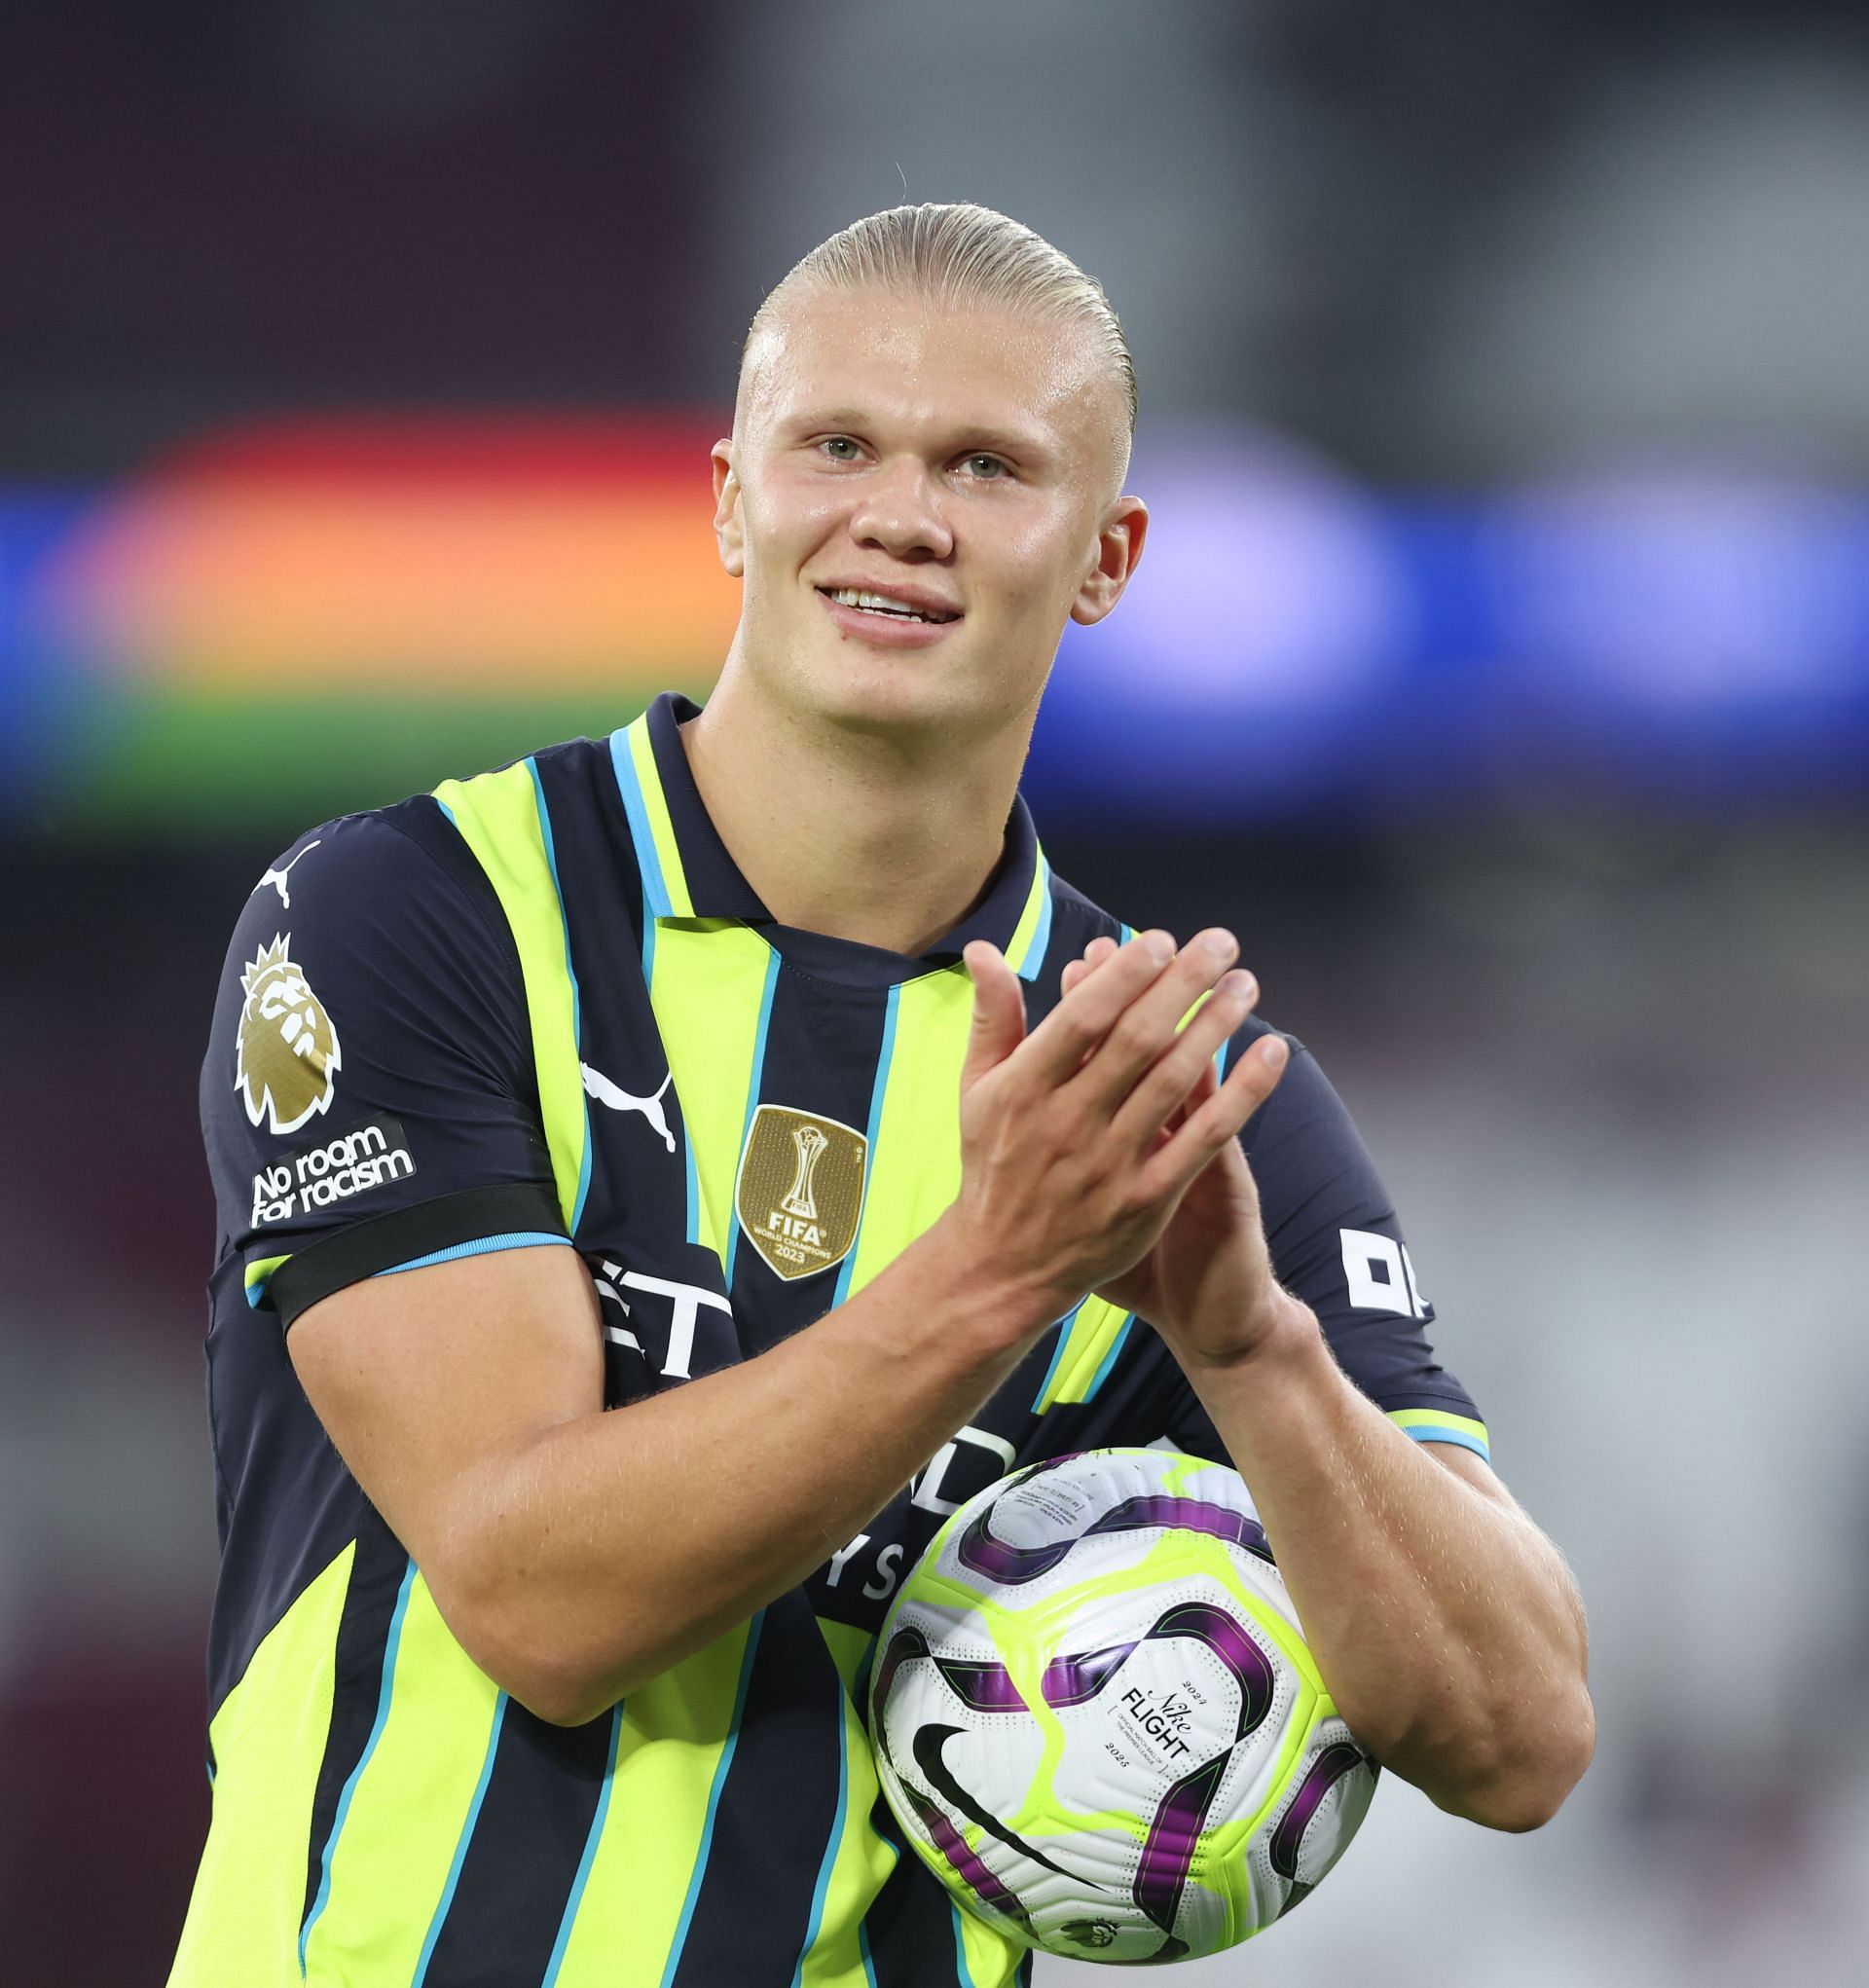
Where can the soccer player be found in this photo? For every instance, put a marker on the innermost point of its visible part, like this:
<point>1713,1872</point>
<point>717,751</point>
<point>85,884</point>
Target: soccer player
<point>660,1180</point>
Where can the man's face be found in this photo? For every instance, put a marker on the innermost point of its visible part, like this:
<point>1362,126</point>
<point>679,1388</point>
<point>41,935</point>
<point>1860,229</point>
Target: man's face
<point>958,469</point>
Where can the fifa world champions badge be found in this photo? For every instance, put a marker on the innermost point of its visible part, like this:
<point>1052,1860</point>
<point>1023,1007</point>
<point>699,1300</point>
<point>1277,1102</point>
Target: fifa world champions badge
<point>800,1189</point>
<point>286,1058</point>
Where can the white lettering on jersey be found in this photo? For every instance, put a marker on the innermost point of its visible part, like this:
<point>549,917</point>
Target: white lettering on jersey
<point>617,1335</point>
<point>600,1086</point>
<point>883,1576</point>
<point>277,878</point>
<point>928,1486</point>
<point>838,1559</point>
<point>353,1163</point>
<point>882,1584</point>
<point>1380,1274</point>
<point>685,1303</point>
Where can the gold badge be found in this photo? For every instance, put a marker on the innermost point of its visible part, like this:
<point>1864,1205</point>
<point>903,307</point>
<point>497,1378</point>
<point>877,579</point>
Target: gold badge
<point>286,1061</point>
<point>800,1189</point>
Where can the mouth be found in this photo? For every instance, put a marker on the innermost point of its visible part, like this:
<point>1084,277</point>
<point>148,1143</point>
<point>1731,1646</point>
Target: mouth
<point>890,606</point>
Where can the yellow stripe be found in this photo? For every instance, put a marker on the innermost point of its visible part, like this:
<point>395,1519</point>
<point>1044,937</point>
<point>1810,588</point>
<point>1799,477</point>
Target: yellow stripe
<point>707,983</point>
<point>992,1960</point>
<point>1438,1418</point>
<point>260,1271</point>
<point>674,1729</point>
<point>915,1168</point>
<point>864,1858</point>
<point>388,1874</point>
<point>661,824</point>
<point>269,1743</point>
<point>1024,930</point>
<point>497,817</point>
<point>1092,1334</point>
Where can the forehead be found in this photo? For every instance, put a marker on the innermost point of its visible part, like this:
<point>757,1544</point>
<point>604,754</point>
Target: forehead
<point>910,361</point>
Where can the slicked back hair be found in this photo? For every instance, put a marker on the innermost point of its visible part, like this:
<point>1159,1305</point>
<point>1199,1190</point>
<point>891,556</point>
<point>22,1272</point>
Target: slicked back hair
<point>958,254</point>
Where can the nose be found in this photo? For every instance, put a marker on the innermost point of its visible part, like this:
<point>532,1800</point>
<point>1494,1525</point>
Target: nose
<point>898,511</point>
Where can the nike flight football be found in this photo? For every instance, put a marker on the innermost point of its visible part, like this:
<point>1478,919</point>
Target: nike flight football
<point>1096,1719</point>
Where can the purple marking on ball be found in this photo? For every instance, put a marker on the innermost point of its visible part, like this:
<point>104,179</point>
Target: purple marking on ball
<point>1190,1515</point>
<point>1174,1835</point>
<point>978,1878</point>
<point>1067,1681</point>
<point>1072,1680</point>
<point>1252,1668</point>
<point>1000,1561</point>
<point>1329,1768</point>
<point>984,1687</point>
<point>904,1645</point>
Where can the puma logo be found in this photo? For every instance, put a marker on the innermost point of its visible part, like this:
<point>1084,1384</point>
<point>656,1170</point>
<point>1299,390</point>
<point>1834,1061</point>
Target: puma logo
<point>606,1093</point>
<point>277,878</point>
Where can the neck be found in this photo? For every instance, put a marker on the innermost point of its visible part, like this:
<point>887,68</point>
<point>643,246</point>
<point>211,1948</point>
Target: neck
<point>883,839</point>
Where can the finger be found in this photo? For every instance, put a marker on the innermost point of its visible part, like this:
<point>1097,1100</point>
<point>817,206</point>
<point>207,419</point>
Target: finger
<point>1205,1085</point>
<point>1150,1022</point>
<point>999,1011</point>
<point>1094,954</point>
<point>1172,1077</point>
<point>1080,1020</point>
<point>1250,1081</point>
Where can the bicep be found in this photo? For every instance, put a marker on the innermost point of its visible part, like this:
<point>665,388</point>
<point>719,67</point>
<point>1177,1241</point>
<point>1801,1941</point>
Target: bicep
<point>432,1382</point>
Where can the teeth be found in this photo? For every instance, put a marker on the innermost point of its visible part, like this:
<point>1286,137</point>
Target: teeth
<point>878,604</point>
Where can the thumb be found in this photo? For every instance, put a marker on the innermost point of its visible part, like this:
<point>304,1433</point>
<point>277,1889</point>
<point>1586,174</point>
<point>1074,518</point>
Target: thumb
<point>999,1011</point>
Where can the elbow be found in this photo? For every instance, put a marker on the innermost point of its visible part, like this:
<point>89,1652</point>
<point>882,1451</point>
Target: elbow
<point>550,1682</point>
<point>537,1663</point>
<point>562,1699</point>
<point>1531,1775</point>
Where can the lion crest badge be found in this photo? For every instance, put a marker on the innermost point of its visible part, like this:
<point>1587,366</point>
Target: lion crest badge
<point>286,1060</point>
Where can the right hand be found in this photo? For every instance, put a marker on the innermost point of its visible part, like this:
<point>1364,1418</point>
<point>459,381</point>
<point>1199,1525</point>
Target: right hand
<point>1074,1150</point>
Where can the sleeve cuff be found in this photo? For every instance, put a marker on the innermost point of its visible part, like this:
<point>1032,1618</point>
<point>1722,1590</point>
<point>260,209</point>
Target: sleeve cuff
<point>1443,1426</point>
<point>474,1222</point>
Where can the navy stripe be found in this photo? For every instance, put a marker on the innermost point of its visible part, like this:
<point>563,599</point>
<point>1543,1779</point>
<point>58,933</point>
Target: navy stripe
<point>909,1930</point>
<point>634,1190</point>
<point>820,1053</point>
<point>525,1854</point>
<point>722,1767</point>
<point>778,1811</point>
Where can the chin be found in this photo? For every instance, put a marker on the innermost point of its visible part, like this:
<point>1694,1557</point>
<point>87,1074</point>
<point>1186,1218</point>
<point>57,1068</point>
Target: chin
<point>871,690</point>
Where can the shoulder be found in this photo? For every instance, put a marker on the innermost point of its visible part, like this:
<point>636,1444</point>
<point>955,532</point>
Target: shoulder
<point>432,849</point>
<point>396,877</point>
<point>378,926</point>
<point>1304,1119</point>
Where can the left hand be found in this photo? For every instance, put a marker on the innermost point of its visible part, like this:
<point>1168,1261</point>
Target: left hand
<point>1207,1285</point>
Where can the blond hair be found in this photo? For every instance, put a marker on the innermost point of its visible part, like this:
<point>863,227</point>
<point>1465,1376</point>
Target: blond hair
<point>958,254</point>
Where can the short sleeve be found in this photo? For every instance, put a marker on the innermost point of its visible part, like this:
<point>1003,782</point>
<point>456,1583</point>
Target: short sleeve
<point>1336,1243</point>
<point>368,1101</point>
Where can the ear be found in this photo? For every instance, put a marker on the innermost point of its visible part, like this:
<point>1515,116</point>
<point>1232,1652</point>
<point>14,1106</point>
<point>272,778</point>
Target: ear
<point>1118,549</point>
<point>728,534</point>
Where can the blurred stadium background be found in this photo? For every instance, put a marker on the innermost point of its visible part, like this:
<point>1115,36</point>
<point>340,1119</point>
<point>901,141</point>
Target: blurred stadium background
<point>1500,668</point>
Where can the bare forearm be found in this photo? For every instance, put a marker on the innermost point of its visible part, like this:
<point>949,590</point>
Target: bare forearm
<point>1444,1623</point>
<point>615,1544</point>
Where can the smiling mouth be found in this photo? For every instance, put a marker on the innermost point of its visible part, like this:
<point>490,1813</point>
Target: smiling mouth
<point>881,605</point>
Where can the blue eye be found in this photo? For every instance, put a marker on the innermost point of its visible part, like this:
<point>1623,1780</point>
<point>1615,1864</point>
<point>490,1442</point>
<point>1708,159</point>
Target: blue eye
<point>840,449</point>
<point>987,468</point>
